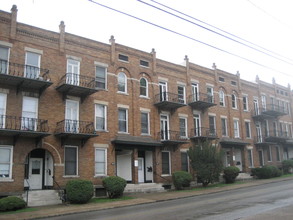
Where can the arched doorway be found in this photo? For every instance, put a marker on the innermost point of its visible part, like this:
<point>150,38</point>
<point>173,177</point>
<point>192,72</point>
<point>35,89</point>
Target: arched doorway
<point>39,170</point>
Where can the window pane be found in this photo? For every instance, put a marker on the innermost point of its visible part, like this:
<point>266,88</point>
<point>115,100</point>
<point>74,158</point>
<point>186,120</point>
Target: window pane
<point>121,82</point>
<point>182,124</point>
<point>100,77</point>
<point>144,123</point>
<point>143,87</point>
<point>184,161</point>
<point>70,161</point>
<point>5,155</point>
<point>165,163</point>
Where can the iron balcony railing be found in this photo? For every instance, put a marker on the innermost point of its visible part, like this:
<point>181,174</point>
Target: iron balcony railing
<point>271,110</point>
<point>168,135</point>
<point>203,132</point>
<point>169,97</point>
<point>23,124</point>
<point>75,127</point>
<point>201,97</point>
<point>78,80</point>
<point>273,136</point>
<point>25,71</point>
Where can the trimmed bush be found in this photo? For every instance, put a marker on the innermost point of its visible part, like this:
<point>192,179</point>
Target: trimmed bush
<point>266,172</point>
<point>181,179</point>
<point>79,191</point>
<point>230,174</point>
<point>11,203</point>
<point>114,186</point>
<point>287,166</point>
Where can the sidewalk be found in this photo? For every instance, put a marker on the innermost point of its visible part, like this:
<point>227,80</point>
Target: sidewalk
<point>56,210</point>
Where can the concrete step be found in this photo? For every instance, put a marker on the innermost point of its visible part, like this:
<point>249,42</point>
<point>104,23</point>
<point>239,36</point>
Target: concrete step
<point>144,188</point>
<point>244,176</point>
<point>42,197</point>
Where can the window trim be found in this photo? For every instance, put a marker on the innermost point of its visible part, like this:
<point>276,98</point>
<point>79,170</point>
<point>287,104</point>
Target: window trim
<point>105,117</point>
<point>234,101</point>
<point>148,122</point>
<point>222,97</point>
<point>146,88</point>
<point>226,127</point>
<point>105,74</point>
<point>70,146</point>
<point>9,178</point>
<point>245,103</point>
<point>249,129</point>
<point>124,82</point>
<point>186,134</point>
<point>169,156</point>
<point>184,93</point>
<point>236,129</point>
<point>126,119</point>
<point>105,162</point>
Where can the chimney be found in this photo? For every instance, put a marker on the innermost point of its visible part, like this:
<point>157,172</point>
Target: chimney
<point>13,21</point>
<point>112,42</point>
<point>62,37</point>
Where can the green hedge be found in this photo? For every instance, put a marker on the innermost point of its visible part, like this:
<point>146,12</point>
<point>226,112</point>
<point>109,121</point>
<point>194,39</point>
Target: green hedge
<point>79,191</point>
<point>11,203</point>
<point>287,165</point>
<point>114,186</point>
<point>266,172</point>
<point>181,179</point>
<point>230,174</point>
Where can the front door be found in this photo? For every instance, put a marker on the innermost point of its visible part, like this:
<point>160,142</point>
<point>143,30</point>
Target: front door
<point>71,116</point>
<point>195,92</point>
<point>256,108</point>
<point>164,127</point>
<point>197,131</point>
<point>35,173</point>
<point>72,76</point>
<point>238,159</point>
<point>141,170</point>
<point>163,91</point>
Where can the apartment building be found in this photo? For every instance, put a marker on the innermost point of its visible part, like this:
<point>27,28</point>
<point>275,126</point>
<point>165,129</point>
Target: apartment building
<point>72,108</point>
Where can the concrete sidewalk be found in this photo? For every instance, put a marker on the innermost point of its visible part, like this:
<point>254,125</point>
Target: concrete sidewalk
<point>56,210</point>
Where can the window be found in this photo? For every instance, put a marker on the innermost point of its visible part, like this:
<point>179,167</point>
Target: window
<point>236,128</point>
<point>269,152</point>
<point>123,120</point>
<point>210,94</point>
<point>144,63</point>
<point>166,163</point>
<point>3,98</point>
<point>224,126</point>
<point>222,98</point>
<point>72,116</point>
<point>32,65</point>
<point>233,83</point>
<point>247,129</point>
<point>122,82</point>
<point>4,55</point>
<point>6,162</point>
<point>183,127</point>
<point>250,158</point>
<point>100,162</point>
<point>278,153</point>
<point>101,77</point>
<point>195,92</point>
<point>264,102</point>
<point>29,113</point>
<point>163,91</point>
<point>144,117</point>
<point>72,76</point>
<point>245,103</point>
<point>212,125</point>
<point>71,161</point>
<point>101,117</point>
<point>234,101</point>
<point>122,57</point>
<point>221,79</point>
<point>181,94</point>
<point>143,87</point>
<point>184,161</point>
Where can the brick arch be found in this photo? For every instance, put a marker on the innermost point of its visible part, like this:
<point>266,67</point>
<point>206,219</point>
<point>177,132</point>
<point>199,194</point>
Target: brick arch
<point>123,70</point>
<point>52,149</point>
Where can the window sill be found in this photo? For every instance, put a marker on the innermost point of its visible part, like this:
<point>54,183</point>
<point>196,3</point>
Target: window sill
<point>166,175</point>
<point>102,131</point>
<point>145,135</point>
<point>6,179</point>
<point>122,132</point>
<point>123,93</point>
<point>73,176</point>
<point>144,97</point>
<point>101,176</point>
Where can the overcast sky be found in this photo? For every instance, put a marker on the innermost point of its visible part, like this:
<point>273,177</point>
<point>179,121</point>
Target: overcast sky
<point>266,23</point>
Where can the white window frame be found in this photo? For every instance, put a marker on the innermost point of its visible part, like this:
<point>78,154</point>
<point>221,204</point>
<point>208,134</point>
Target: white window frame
<point>3,109</point>
<point>23,122</point>
<point>126,119</point>
<point>9,178</point>
<point>270,158</point>
<point>188,163</point>
<point>105,117</point>
<point>146,88</point>
<point>226,127</point>
<point>148,122</point>
<point>278,153</point>
<point>120,82</point>
<point>250,152</point>
<point>7,60</point>
<point>214,123</point>
<point>105,74</point>
<point>195,92</point>
<point>76,147</point>
<point>169,154</point>
<point>38,65</point>
<point>249,129</point>
<point>184,94</point>
<point>222,98</point>
<point>245,103</point>
<point>70,77</point>
<point>236,128</point>
<point>234,101</point>
<point>185,121</point>
<point>264,102</point>
<point>105,162</point>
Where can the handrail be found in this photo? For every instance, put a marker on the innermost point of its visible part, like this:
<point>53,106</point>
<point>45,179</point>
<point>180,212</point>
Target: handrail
<point>168,135</point>
<point>27,191</point>
<point>75,126</point>
<point>78,80</point>
<point>170,97</point>
<point>61,192</point>
<point>204,97</point>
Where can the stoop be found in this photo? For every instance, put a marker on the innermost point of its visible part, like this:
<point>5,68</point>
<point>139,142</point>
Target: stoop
<point>42,197</point>
<point>144,188</point>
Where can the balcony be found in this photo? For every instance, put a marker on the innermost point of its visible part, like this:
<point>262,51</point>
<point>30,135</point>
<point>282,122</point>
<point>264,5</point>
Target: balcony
<point>75,129</point>
<point>24,76</point>
<point>168,137</point>
<point>76,85</point>
<point>201,101</point>
<point>169,101</point>
<point>271,111</point>
<point>272,138</point>
<point>202,133</point>
<point>23,127</point>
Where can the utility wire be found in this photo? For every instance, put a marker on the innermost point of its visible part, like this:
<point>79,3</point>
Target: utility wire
<point>215,32</point>
<point>188,37</point>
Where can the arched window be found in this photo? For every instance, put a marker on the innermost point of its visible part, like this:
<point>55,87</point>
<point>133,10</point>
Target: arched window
<point>143,87</point>
<point>234,101</point>
<point>122,82</point>
<point>221,98</point>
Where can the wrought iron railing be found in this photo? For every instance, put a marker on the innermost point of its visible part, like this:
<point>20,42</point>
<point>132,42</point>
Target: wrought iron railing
<point>25,71</point>
<point>78,80</point>
<point>272,136</point>
<point>269,108</point>
<point>75,126</point>
<point>203,97</point>
<point>168,135</point>
<point>170,97</point>
<point>203,132</point>
<point>23,123</point>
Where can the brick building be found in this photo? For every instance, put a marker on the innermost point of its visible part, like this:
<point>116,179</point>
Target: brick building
<point>71,107</point>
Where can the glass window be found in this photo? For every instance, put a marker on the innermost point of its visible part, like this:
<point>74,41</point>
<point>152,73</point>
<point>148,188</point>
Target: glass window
<point>144,123</point>
<point>143,87</point>
<point>122,83</point>
<point>222,98</point>
<point>234,101</point>
<point>32,65</point>
<point>245,103</point>
<point>278,153</point>
<point>101,73</point>
<point>210,94</point>
<point>100,161</point>
<point>181,94</point>
<point>101,117</point>
<point>72,76</point>
<point>144,63</point>
<point>236,129</point>
<point>224,127</point>
<point>70,161</point>
<point>3,98</point>
<point>247,129</point>
<point>269,152</point>
<point>29,113</point>
<point>166,163</point>
<point>250,158</point>
<point>212,125</point>
<point>4,54</point>
<point>122,117</point>
<point>184,161</point>
<point>5,162</point>
<point>183,127</point>
<point>123,57</point>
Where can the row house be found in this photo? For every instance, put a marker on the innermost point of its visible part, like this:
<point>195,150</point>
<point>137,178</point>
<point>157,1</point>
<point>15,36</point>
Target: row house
<point>72,108</point>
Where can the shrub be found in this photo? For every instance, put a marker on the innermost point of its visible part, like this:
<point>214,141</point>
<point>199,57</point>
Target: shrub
<point>230,174</point>
<point>11,203</point>
<point>267,172</point>
<point>114,186</point>
<point>287,165</point>
<point>79,191</point>
<point>181,179</point>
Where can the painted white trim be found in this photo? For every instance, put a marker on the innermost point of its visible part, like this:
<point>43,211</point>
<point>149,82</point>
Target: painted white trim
<point>101,102</point>
<point>182,115</point>
<point>181,83</point>
<point>105,152</point>
<point>8,179</point>
<point>76,147</point>
<point>101,64</point>
<point>33,50</point>
<point>73,58</point>
<point>144,110</point>
<point>96,145</point>
<point>6,44</point>
<point>162,79</point>
<point>122,106</point>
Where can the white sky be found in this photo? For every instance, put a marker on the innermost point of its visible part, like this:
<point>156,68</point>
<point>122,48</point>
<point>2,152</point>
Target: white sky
<point>268,23</point>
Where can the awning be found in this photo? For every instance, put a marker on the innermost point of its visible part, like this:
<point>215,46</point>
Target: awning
<point>135,140</point>
<point>233,141</point>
